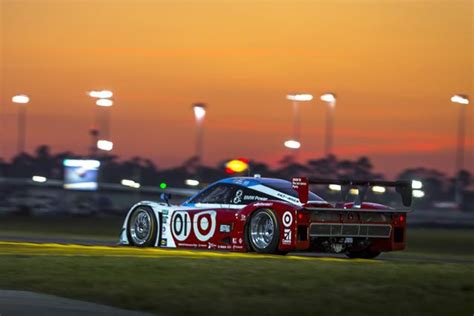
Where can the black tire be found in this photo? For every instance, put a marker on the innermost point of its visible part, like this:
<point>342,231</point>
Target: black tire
<point>363,254</point>
<point>255,233</point>
<point>136,238</point>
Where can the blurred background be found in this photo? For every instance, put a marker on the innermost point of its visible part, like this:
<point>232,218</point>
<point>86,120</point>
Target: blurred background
<point>104,103</point>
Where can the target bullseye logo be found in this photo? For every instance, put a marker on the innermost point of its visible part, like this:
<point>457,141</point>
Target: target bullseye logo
<point>287,219</point>
<point>204,225</point>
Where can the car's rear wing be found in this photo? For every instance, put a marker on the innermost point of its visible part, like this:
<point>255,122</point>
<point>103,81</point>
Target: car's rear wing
<point>301,185</point>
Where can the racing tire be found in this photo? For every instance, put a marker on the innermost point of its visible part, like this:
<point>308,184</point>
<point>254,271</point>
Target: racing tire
<point>142,227</point>
<point>363,254</point>
<point>263,232</point>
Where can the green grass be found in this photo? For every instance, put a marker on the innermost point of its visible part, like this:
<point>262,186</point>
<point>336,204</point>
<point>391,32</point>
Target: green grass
<point>95,228</point>
<point>440,241</point>
<point>177,286</point>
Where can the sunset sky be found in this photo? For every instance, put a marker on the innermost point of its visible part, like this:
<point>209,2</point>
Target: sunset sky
<point>393,64</point>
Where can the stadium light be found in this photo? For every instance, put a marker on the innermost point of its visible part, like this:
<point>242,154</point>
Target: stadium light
<point>334,187</point>
<point>354,191</point>
<point>104,102</point>
<point>292,144</point>
<point>328,97</point>
<point>300,97</point>
<point>130,183</point>
<point>418,194</point>
<point>460,98</point>
<point>21,99</point>
<point>39,179</point>
<point>199,111</point>
<point>191,182</point>
<point>105,145</point>
<point>416,184</point>
<point>102,94</point>
<point>378,189</point>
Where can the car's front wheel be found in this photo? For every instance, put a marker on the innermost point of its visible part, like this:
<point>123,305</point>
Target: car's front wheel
<point>142,227</point>
<point>264,231</point>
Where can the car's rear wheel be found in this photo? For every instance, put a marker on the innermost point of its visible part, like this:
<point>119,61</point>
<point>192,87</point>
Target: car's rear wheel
<point>142,227</point>
<point>264,231</point>
<point>363,254</point>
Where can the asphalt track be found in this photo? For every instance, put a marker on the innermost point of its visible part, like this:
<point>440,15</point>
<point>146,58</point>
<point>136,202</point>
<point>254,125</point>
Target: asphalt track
<point>17,303</point>
<point>79,247</point>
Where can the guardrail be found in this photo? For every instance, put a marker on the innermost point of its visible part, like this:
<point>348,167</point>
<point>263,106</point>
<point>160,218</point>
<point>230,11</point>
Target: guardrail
<point>54,183</point>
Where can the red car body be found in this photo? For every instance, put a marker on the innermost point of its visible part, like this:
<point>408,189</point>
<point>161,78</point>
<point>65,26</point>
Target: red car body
<point>272,221</point>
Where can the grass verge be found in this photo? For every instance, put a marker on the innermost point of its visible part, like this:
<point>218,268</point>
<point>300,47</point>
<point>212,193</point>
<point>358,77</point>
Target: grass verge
<point>207,286</point>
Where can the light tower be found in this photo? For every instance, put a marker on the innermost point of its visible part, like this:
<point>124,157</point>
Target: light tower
<point>295,142</point>
<point>463,100</point>
<point>199,110</point>
<point>100,132</point>
<point>330,99</point>
<point>22,100</point>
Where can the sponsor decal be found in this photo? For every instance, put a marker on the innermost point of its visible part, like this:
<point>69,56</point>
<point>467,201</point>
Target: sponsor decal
<point>238,197</point>
<point>180,225</point>
<point>287,220</point>
<point>286,236</point>
<point>204,225</point>
<point>163,229</point>
<point>189,245</point>
<point>164,212</point>
<point>224,228</point>
<point>263,204</point>
<point>254,198</point>
<point>164,242</point>
<point>237,241</point>
<point>211,246</point>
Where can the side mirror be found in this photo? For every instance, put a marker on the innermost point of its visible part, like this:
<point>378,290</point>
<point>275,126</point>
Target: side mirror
<point>165,197</point>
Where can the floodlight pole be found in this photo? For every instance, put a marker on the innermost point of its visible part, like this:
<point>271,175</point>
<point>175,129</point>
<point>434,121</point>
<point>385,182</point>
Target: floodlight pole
<point>459,164</point>
<point>199,114</point>
<point>329,128</point>
<point>296,98</point>
<point>296,121</point>
<point>22,100</point>
<point>199,140</point>
<point>21,141</point>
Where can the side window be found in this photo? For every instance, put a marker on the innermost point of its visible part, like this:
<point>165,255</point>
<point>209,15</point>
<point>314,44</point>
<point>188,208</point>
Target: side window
<point>218,194</point>
<point>246,196</point>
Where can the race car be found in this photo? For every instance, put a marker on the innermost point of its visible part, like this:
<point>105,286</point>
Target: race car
<point>272,216</point>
